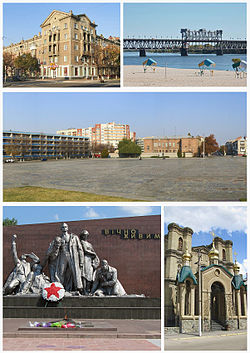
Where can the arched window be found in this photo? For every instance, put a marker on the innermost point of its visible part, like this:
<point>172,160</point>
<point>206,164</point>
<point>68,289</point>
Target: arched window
<point>188,298</point>
<point>180,244</point>
<point>223,255</point>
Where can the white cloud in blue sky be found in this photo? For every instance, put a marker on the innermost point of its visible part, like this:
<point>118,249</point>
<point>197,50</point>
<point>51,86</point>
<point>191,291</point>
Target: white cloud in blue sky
<point>137,210</point>
<point>205,219</point>
<point>90,212</point>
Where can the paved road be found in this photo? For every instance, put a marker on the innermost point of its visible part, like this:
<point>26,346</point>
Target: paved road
<point>62,83</point>
<point>194,179</point>
<point>213,342</point>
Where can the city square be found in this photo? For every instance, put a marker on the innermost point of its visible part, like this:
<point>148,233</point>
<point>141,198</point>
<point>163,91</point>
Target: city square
<point>170,179</point>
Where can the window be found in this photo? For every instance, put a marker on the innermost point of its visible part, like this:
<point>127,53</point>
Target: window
<point>180,244</point>
<point>76,47</point>
<point>56,59</point>
<point>65,59</point>
<point>65,47</point>
<point>223,255</point>
<point>81,27</point>
<point>76,58</point>
<point>45,41</point>
<point>45,32</point>
<point>76,36</point>
<point>173,144</point>
<point>75,25</point>
<point>65,25</point>
<point>65,36</point>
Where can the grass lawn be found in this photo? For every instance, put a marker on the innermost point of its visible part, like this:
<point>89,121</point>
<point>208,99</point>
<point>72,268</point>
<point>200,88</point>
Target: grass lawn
<point>37,194</point>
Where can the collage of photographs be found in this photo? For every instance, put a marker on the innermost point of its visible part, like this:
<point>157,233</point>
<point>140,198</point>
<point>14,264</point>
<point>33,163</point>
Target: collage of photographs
<point>124,175</point>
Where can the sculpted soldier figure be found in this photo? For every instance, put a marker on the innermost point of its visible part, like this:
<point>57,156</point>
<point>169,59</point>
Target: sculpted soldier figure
<point>35,281</point>
<point>106,282</point>
<point>51,257</point>
<point>68,262</point>
<point>91,262</point>
<point>19,274</point>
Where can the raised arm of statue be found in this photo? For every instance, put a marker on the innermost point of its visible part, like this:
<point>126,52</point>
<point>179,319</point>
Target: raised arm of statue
<point>14,251</point>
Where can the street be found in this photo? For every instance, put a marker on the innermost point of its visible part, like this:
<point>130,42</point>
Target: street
<point>62,83</point>
<point>214,341</point>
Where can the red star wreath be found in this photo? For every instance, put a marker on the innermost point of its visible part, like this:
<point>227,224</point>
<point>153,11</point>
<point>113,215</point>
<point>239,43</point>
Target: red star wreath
<point>54,292</point>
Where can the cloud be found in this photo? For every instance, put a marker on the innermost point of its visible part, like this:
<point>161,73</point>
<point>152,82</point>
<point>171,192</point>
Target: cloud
<point>56,216</point>
<point>91,213</point>
<point>243,268</point>
<point>137,210</point>
<point>205,219</point>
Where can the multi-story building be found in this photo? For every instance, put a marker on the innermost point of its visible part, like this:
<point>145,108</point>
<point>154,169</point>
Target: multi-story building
<point>108,134</point>
<point>170,146</point>
<point>220,297</point>
<point>237,147</point>
<point>68,47</point>
<point>31,145</point>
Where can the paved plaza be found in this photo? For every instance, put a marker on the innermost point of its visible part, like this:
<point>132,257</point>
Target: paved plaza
<point>211,341</point>
<point>132,335</point>
<point>190,179</point>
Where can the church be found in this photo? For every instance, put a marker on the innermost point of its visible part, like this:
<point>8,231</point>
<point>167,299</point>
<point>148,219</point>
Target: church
<point>202,281</point>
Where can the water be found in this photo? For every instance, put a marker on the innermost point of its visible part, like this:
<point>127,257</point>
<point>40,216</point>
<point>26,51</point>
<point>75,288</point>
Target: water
<point>175,60</point>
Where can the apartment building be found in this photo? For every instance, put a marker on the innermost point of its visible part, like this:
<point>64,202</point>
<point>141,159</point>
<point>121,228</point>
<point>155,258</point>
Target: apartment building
<point>32,145</point>
<point>108,133</point>
<point>237,147</point>
<point>68,47</point>
<point>188,146</point>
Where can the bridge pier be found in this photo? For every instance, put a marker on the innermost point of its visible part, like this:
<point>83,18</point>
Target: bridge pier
<point>142,52</point>
<point>184,52</point>
<point>219,51</point>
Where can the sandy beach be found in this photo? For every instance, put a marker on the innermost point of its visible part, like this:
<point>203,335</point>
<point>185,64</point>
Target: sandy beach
<point>134,77</point>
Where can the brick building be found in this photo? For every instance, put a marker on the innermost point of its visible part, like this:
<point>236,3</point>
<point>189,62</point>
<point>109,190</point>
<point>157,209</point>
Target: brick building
<point>67,47</point>
<point>130,244</point>
<point>169,146</point>
<point>31,145</point>
<point>108,133</point>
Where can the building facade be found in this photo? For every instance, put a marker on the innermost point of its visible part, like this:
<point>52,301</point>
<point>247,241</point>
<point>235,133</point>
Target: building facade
<point>218,286</point>
<point>108,134</point>
<point>68,47</point>
<point>237,147</point>
<point>31,145</point>
<point>170,146</point>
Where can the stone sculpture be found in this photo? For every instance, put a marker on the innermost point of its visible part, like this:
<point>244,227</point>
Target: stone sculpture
<point>72,261</point>
<point>91,262</point>
<point>68,262</point>
<point>106,282</point>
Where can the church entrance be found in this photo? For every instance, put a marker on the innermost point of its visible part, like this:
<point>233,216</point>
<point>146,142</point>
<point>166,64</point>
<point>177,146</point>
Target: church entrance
<point>218,305</point>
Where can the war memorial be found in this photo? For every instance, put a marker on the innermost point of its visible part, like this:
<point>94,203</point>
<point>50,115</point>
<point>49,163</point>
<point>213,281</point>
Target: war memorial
<point>202,284</point>
<point>81,275</point>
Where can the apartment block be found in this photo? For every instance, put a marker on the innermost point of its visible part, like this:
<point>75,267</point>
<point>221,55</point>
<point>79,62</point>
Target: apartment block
<point>237,147</point>
<point>67,47</point>
<point>108,134</point>
<point>32,145</point>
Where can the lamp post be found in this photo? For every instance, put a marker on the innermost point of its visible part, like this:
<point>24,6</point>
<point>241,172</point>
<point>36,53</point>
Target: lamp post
<point>199,291</point>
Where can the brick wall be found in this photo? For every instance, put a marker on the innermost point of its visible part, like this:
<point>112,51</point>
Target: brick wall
<point>137,261</point>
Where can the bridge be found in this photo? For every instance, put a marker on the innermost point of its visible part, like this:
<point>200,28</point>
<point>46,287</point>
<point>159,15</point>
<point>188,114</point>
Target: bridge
<point>196,41</point>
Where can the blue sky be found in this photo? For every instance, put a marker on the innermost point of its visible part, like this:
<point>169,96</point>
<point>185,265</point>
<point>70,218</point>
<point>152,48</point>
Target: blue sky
<point>227,222</point>
<point>148,114</point>
<point>47,214</point>
<point>16,28</point>
<point>167,19</point>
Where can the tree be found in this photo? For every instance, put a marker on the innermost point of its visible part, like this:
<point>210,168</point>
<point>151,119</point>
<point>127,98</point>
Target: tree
<point>27,64</point>
<point>211,145</point>
<point>106,58</point>
<point>179,154</point>
<point>128,148</point>
<point>9,222</point>
<point>8,64</point>
<point>105,154</point>
<point>223,149</point>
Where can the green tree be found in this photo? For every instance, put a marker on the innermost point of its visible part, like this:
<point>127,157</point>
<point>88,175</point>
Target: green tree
<point>128,148</point>
<point>9,222</point>
<point>104,154</point>
<point>179,154</point>
<point>27,64</point>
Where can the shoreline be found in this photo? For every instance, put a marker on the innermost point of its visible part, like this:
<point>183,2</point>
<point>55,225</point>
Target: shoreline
<point>134,76</point>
